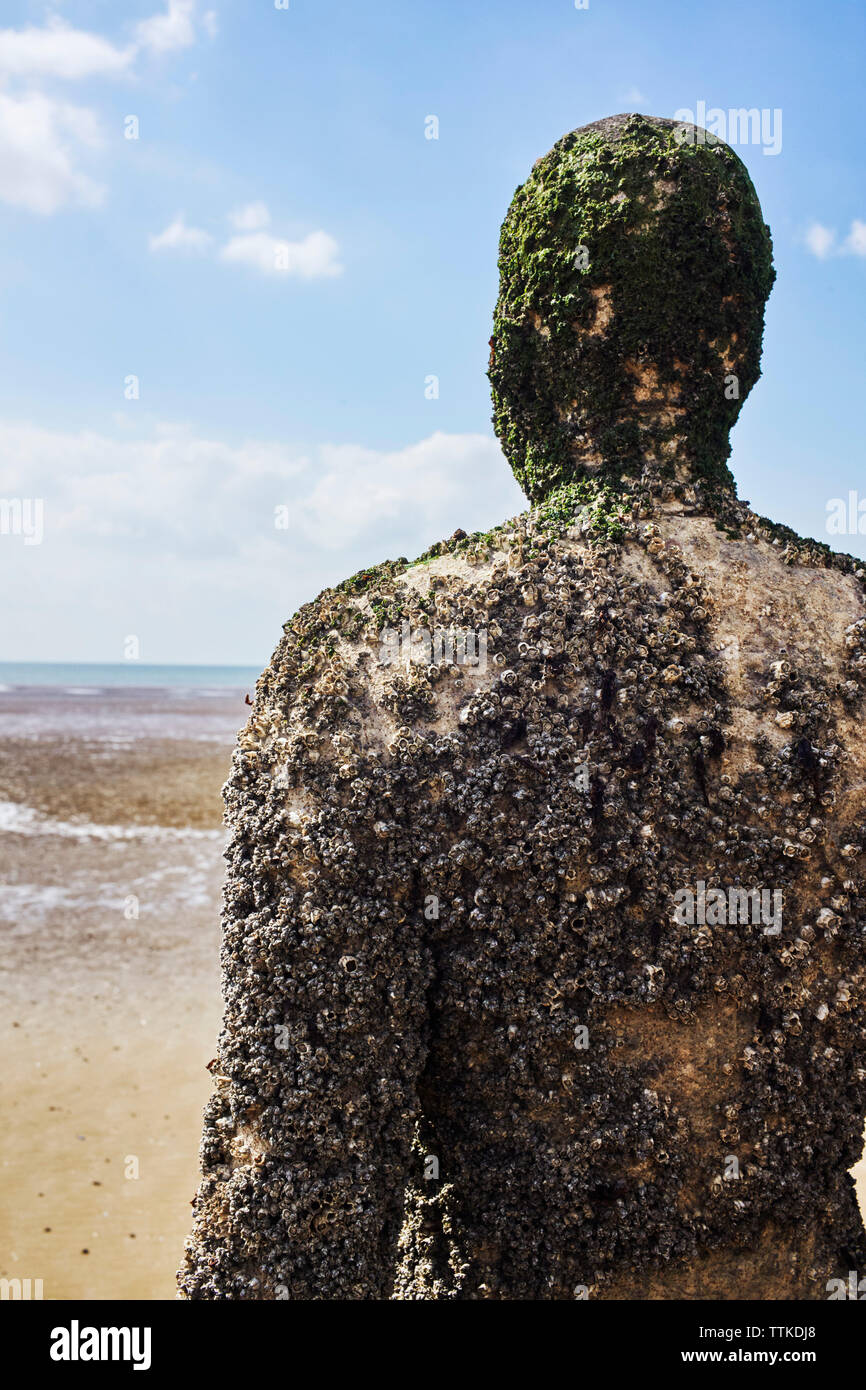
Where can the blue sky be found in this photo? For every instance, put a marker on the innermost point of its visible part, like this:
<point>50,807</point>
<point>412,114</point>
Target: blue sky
<point>300,134</point>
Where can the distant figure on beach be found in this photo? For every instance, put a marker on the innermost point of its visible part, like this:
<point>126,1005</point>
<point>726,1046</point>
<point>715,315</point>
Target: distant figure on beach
<point>544,954</point>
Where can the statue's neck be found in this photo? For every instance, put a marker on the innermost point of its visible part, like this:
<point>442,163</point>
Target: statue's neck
<point>657,446</point>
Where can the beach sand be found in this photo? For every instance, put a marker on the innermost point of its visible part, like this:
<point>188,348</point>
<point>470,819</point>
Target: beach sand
<point>100,1151</point>
<point>111,841</point>
<point>109,806</point>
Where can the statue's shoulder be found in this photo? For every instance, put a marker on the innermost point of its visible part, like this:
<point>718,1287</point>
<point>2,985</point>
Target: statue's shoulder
<point>564,612</point>
<point>783,608</point>
<point>405,645</point>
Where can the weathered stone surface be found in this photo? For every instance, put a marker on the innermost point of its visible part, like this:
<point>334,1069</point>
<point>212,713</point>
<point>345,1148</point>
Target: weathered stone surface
<point>428,900</point>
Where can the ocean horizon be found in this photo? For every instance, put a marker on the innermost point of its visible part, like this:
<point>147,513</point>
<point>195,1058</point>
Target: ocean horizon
<point>17,675</point>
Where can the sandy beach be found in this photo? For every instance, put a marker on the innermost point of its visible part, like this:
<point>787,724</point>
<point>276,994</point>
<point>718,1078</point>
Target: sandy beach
<point>111,845</point>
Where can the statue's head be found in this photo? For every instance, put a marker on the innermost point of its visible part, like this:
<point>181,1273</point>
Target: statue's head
<point>634,268</point>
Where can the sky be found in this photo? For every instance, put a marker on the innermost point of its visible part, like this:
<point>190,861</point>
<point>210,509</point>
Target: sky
<point>245,298</point>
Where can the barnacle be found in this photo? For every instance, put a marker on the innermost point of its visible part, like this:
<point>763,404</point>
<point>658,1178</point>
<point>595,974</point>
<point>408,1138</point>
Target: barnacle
<point>472,950</point>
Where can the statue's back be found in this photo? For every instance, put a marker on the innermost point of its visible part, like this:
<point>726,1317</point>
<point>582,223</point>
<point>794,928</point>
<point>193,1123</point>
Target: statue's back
<point>543,970</point>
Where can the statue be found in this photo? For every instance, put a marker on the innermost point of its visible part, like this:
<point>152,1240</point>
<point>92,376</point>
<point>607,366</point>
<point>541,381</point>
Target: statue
<point>543,946</point>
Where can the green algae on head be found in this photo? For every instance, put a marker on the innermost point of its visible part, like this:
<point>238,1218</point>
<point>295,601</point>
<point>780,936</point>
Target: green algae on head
<point>634,269</point>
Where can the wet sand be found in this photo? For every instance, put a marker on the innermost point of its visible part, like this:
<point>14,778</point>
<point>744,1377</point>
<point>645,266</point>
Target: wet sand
<point>100,1155</point>
<point>111,844</point>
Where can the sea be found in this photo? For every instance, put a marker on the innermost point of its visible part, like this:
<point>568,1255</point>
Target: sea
<point>123,702</point>
<point>110,775</point>
<point>75,676</point>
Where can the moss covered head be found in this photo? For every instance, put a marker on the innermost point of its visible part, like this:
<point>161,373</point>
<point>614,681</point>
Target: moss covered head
<point>634,268</point>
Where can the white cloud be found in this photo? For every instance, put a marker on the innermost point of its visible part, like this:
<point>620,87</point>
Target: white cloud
<point>165,33</point>
<point>172,489</point>
<point>820,240</point>
<point>635,97</point>
<point>177,236</point>
<point>41,141</point>
<point>172,536</point>
<point>176,487</point>
<point>310,259</point>
<point>252,217</point>
<point>362,491</point>
<point>856,242</point>
<point>60,51</point>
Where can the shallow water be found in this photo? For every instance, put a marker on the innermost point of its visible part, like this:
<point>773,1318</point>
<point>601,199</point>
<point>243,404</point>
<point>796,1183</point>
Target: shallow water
<point>123,715</point>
